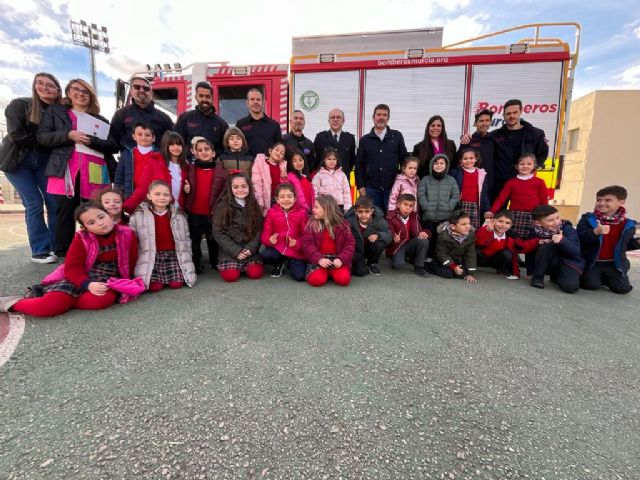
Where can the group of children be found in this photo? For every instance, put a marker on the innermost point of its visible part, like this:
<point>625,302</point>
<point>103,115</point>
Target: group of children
<point>273,211</point>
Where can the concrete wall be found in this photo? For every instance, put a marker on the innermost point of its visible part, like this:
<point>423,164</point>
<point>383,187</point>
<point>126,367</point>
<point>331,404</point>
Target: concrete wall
<point>609,123</point>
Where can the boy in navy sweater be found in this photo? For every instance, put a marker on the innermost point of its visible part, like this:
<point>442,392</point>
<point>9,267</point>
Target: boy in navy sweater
<point>605,236</point>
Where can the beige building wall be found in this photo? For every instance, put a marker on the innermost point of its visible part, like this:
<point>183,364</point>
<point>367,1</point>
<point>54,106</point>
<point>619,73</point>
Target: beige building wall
<point>601,138</point>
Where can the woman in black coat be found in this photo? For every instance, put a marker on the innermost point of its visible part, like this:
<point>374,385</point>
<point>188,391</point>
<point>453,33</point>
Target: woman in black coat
<point>24,160</point>
<point>435,142</point>
<point>79,162</point>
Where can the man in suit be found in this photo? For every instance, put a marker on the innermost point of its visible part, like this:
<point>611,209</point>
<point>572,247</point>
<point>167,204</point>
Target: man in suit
<point>335,137</point>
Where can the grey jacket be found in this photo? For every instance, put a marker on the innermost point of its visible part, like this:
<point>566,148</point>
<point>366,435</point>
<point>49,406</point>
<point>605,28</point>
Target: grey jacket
<point>438,198</point>
<point>143,224</point>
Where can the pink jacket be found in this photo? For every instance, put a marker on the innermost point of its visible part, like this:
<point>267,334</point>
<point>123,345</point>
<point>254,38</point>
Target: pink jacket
<point>261,179</point>
<point>287,225</point>
<point>333,183</point>
<point>300,198</point>
<point>124,236</point>
<point>403,184</point>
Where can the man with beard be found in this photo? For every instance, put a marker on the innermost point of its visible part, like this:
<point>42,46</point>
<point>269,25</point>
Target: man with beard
<point>335,137</point>
<point>260,131</point>
<point>141,110</point>
<point>296,141</point>
<point>203,120</point>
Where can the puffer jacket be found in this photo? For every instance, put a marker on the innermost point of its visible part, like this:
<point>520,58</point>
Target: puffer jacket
<point>53,133</point>
<point>377,226</point>
<point>142,222</point>
<point>333,183</point>
<point>231,240</point>
<point>242,161</point>
<point>403,184</point>
<point>449,251</point>
<point>438,198</point>
<point>287,225</point>
<point>345,244</point>
<point>261,179</point>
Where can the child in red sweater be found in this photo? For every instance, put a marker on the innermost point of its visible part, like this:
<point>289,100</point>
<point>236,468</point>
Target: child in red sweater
<point>100,253</point>
<point>205,183</point>
<point>472,181</point>
<point>328,244</point>
<point>409,240</point>
<point>498,249</point>
<point>282,234</point>
<point>525,192</point>
<point>165,247</point>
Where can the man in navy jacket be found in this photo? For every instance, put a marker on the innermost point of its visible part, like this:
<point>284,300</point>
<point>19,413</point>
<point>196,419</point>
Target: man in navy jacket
<point>380,154</point>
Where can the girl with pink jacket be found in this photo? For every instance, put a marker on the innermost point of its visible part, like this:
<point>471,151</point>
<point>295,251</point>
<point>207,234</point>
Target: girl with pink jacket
<point>267,173</point>
<point>331,180</point>
<point>406,182</point>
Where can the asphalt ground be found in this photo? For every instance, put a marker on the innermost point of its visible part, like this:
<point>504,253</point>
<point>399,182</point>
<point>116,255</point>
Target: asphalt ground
<point>393,377</point>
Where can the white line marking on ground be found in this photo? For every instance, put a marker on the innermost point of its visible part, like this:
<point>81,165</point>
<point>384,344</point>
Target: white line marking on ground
<point>16,328</point>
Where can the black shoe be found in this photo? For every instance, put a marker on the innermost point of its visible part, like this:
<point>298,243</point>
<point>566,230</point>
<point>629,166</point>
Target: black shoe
<point>537,282</point>
<point>199,269</point>
<point>373,269</point>
<point>44,258</point>
<point>420,271</point>
<point>277,271</point>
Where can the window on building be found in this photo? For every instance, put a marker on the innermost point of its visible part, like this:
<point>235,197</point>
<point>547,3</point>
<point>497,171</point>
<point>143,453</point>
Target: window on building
<point>573,139</point>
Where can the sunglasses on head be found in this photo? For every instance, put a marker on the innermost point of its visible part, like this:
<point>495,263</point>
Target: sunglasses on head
<point>137,86</point>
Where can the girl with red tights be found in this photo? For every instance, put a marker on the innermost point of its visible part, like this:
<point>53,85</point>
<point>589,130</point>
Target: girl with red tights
<point>328,244</point>
<point>237,226</point>
<point>100,251</point>
<point>165,245</point>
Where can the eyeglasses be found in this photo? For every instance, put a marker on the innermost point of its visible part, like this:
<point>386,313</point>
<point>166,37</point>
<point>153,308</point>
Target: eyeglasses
<point>335,117</point>
<point>80,91</point>
<point>137,86</point>
<point>49,86</point>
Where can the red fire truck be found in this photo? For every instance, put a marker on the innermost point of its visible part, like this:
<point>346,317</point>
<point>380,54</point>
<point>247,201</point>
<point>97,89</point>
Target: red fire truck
<point>410,70</point>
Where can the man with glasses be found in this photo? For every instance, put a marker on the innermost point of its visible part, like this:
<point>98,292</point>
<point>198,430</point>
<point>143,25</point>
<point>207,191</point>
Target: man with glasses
<point>203,120</point>
<point>141,110</point>
<point>335,137</point>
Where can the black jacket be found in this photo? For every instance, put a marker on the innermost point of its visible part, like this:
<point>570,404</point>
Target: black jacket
<point>21,135</point>
<point>53,133</point>
<point>303,145</point>
<point>378,162</point>
<point>423,165</point>
<point>125,119</point>
<point>346,147</point>
<point>195,123</point>
<point>378,226</point>
<point>485,145</point>
<point>261,134</point>
<point>505,159</point>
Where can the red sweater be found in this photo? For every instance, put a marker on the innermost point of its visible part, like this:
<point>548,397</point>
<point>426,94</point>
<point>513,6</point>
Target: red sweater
<point>307,190</point>
<point>274,170</point>
<point>524,195</point>
<point>328,244</point>
<point>470,191</point>
<point>164,235</point>
<point>202,190</point>
<point>609,241</point>
<point>74,263</point>
<point>139,162</point>
<point>155,169</point>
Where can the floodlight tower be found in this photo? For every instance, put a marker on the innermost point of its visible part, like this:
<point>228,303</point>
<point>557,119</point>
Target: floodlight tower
<point>94,38</point>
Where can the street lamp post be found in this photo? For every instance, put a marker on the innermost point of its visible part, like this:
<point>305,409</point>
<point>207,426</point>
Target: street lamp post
<point>92,37</point>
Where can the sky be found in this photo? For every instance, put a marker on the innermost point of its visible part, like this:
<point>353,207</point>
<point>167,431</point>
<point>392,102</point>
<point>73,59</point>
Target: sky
<point>35,34</point>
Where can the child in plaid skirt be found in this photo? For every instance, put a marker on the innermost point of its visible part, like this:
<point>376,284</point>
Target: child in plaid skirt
<point>99,252</point>
<point>237,226</point>
<point>472,181</point>
<point>524,193</point>
<point>165,245</point>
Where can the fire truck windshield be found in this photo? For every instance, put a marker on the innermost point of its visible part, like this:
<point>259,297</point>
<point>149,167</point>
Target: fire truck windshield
<point>166,99</point>
<point>233,102</point>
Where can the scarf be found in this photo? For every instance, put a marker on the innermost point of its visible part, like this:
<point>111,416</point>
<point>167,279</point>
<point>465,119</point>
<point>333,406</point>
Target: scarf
<point>438,175</point>
<point>615,219</point>
<point>204,164</point>
<point>455,235</point>
<point>547,234</point>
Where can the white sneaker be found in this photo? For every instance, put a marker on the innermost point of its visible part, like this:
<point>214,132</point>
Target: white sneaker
<point>44,258</point>
<point>512,277</point>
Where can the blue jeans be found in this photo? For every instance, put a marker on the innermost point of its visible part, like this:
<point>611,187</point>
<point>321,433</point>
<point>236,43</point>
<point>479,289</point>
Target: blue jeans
<point>31,183</point>
<point>297,267</point>
<point>379,196</point>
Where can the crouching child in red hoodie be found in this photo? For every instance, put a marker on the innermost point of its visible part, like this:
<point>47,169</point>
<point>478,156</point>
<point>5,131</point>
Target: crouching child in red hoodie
<point>496,247</point>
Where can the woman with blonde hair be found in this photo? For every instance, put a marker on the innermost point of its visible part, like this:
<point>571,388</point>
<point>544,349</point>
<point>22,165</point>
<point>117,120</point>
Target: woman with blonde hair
<point>23,160</point>
<point>79,162</point>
